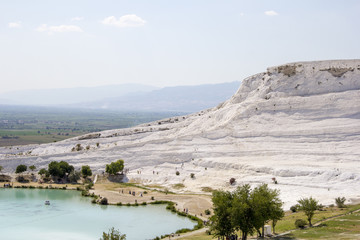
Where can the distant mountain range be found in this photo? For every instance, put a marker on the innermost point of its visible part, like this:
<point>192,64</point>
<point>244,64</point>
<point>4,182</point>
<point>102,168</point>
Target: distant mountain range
<point>64,96</point>
<point>128,97</point>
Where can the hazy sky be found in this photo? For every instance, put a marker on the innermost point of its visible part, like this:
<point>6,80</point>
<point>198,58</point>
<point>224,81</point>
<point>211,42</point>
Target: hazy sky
<point>67,43</point>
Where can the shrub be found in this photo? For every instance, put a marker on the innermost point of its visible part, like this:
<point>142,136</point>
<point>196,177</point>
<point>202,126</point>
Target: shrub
<point>192,175</point>
<point>115,167</point>
<point>21,168</point>
<point>300,223</point>
<point>320,207</point>
<point>104,201</point>
<point>340,202</point>
<point>232,181</point>
<point>177,173</point>
<point>93,201</point>
<point>86,171</point>
<point>207,212</point>
<point>294,208</point>
<point>119,204</point>
<point>152,198</point>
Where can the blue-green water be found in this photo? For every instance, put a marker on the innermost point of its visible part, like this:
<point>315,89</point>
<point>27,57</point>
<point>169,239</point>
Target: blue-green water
<point>23,215</point>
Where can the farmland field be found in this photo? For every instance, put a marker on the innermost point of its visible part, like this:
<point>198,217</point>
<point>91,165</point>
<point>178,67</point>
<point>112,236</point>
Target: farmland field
<point>21,125</point>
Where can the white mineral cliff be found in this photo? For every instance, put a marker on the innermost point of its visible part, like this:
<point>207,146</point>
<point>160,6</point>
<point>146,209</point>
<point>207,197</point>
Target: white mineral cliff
<point>298,123</point>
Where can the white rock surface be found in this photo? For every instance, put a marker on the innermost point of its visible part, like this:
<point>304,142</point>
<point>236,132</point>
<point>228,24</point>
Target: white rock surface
<point>298,123</point>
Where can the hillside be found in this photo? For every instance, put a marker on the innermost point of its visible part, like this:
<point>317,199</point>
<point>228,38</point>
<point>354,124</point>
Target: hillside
<point>298,122</point>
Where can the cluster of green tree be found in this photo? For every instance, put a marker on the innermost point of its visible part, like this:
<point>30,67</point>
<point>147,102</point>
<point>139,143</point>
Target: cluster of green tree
<point>22,168</point>
<point>245,210</point>
<point>115,167</point>
<point>64,171</point>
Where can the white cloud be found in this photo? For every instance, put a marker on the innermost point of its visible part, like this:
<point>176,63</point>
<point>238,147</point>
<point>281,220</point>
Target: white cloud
<point>77,19</point>
<point>130,20</point>
<point>14,25</point>
<point>271,13</point>
<point>60,28</point>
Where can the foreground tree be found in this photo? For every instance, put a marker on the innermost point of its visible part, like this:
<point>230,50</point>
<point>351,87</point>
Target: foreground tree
<point>245,210</point>
<point>268,206</point>
<point>21,168</point>
<point>86,171</point>
<point>242,210</point>
<point>221,219</point>
<point>115,167</point>
<point>309,206</point>
<point>113,235</point>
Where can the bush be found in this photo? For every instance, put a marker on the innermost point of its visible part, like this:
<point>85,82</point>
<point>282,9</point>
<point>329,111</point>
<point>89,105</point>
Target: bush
<point>119,204</point>
<point>104,201</point>
<point>115,167</point>
<point>207,212</point>
<point>300,223</point>
<point>340,202</point>
<point>294,208</point>
<point>232,181</point>
<point>21,168</point>
<point>192,175</point>
<point>177,173</point>
<point>93,201</point>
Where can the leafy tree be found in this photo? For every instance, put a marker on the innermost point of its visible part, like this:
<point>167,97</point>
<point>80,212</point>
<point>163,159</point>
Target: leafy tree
<point>242,210</point>
<point>21,168</point>
<point>340,202</point>
<point>115,167</point>
<point>43,171</point>
<point>268,206</point>
<point>1,168</point>
<point>60,169</point>
<point>222,202</point>
<point>308,205</point>
<point>245,210</point>
<point>86,171</point>
<point>32,167</point>
<point>74,176</point>
<point>113,235</point>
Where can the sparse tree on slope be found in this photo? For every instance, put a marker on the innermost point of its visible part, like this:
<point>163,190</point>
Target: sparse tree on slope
<point>32,167</point>
<point>309,206</point>
<point>1,168</point>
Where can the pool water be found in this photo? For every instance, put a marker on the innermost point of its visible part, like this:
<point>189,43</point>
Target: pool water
<point>24,215</point>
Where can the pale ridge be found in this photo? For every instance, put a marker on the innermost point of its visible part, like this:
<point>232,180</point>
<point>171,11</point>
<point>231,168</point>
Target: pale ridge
<point>298,122</point>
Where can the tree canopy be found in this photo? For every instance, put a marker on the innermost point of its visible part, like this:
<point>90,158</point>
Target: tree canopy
<point>86,171</point>
<point>115,167</point>
<point>309,206</point>
<point>1,168</point>
<point>60,169</point>
<point>21,168</point>
<point>32,167</point>
<point>113,235</point>
<point>245,210</point>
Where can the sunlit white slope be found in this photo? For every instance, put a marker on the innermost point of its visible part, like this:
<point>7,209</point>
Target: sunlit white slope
<point>298,123</point>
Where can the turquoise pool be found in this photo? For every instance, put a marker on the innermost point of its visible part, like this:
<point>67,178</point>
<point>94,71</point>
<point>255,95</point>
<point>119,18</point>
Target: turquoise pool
<point>23,215</point>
